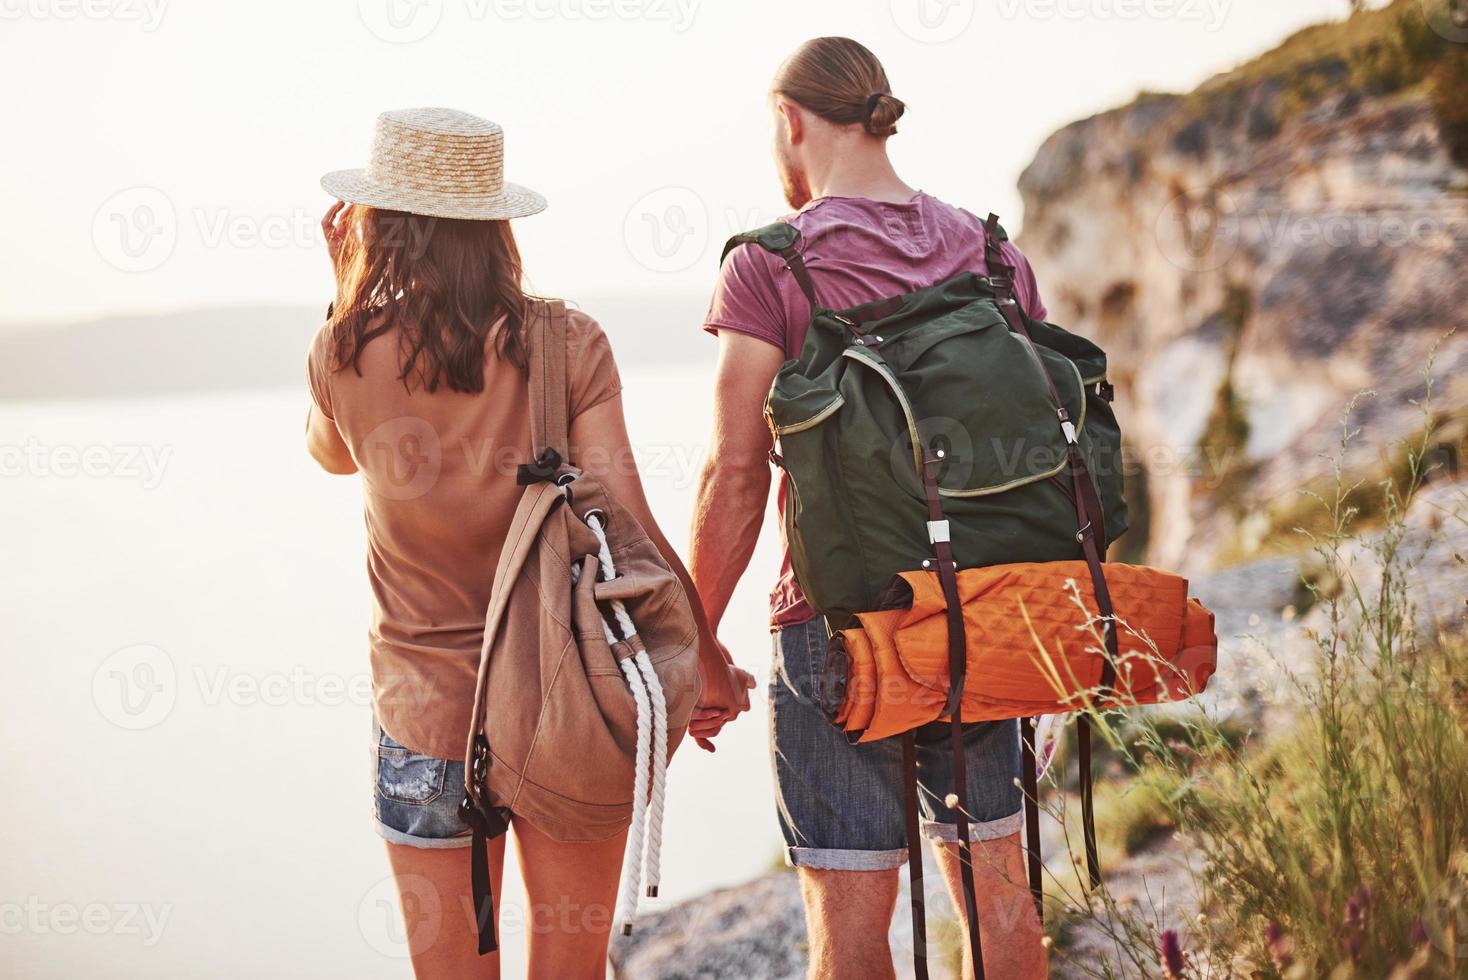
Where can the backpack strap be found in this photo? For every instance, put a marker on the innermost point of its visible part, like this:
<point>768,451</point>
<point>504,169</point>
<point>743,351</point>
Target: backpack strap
<point>915,856</point>
<point>943,562</point>
<point>1090,523</point>
<point>782,239</point>
<point>546,337</point>
<point>1029,785</point>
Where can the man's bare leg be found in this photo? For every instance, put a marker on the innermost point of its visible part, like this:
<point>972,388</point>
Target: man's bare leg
<point>847,914</point>
<point>1009,926</point>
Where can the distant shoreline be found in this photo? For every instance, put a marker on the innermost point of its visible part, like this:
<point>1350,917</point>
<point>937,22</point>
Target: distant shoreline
<point>250,348</point>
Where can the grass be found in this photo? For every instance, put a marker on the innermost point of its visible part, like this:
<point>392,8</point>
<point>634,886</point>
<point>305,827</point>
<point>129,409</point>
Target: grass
<point>1338,848</point>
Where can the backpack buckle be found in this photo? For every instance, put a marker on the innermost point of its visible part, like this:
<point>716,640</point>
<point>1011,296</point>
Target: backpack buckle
<point>542,470</point>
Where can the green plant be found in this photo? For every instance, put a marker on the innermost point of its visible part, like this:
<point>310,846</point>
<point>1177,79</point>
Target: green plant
<point>1339,847</point>
<point>1226,432</point>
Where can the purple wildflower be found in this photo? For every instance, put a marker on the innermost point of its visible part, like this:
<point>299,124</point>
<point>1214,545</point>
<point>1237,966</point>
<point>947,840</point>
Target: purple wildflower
<point>1281,946</point>
<point>1172,955</point>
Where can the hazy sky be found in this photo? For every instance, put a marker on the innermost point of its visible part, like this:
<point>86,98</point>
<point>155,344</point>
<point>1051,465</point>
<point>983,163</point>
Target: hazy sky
<point>164,154</point>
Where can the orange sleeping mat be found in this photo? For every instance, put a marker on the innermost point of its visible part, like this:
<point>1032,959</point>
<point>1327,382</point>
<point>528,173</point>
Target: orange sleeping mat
<point>1034,646</point>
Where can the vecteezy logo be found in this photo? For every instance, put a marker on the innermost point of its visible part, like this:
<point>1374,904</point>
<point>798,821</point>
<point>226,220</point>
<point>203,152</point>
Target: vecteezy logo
<point>1198,230</point>
<point>1449,18</point>
<point>932,21</point>
<point>667,230</point>
<point>402,458</point>
<point>400,21</point>
<point>939,435</point>
<point>944,930</point>
<point>396,934</point>
<point>136,229</point>
<point>135,687</point>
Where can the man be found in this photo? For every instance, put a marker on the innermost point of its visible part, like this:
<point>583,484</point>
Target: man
<point>866,235</point>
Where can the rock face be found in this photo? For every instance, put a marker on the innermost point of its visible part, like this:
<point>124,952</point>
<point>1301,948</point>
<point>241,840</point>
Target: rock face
<point>751,930</point>
<point>1250,263</point>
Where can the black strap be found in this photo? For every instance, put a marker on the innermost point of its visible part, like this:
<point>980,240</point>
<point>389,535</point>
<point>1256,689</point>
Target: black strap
<point>914,857</point>
<point>483,893</point>
<point>486,824</point>
<point>479,879</point>
<point>1090,522</point>
<point>795,262</point>
<point>1088,809</point>
<point>1028,783</point>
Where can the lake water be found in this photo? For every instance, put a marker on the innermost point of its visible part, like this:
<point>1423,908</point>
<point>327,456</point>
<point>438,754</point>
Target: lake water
<point>187,769</point>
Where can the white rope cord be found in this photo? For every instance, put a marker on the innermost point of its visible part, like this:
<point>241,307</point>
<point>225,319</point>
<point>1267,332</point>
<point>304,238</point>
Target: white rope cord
<point>609,572</point>
<point>644,838</point>
<point>636,835</point>
<point>654,854</point>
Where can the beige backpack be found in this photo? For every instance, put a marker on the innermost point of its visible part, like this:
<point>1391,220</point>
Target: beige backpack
<point>589,667</point>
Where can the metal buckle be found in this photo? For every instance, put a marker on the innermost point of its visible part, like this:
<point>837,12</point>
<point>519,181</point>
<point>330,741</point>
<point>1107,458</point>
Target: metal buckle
<point>939,532</point>
<point>1081,534</point>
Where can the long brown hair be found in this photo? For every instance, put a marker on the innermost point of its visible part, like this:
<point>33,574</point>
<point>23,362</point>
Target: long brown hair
<point>447,284</point>
<point>843,83</point>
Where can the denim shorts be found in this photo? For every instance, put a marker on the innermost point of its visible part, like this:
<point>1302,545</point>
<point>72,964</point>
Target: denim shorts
<point>842,806</point>
<point>416,797</point>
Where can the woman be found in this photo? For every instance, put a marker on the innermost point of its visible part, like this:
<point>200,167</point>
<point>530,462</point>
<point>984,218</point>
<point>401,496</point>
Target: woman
<point>418,381</point>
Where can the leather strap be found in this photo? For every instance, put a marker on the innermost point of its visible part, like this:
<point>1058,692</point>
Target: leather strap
<point>782,239</point>
<point>914,856</point>
<point>957,674</point>
<point>548,398</point>
<point>1090,524</point>
<point>482,888</point>
<point>795,262</point>
<point>1028,783</point>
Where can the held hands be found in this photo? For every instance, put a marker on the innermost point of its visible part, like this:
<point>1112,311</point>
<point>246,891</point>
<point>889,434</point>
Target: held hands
<point>725,695</point>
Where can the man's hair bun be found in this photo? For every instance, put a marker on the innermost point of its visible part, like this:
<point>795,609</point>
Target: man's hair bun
<point>886,110</point>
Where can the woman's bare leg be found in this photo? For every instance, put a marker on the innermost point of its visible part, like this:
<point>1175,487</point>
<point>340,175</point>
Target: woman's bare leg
<point>438,910</point>
<point>572,890</point>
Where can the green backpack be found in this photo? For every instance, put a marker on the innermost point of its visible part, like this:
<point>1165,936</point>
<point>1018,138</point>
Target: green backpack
<point>936,369</point>
<point>943,429</point>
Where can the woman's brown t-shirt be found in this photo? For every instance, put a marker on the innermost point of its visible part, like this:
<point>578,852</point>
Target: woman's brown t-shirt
<point>438,477</point>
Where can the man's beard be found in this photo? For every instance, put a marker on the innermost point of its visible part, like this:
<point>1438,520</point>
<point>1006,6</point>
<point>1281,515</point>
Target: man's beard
<point>794,182</point>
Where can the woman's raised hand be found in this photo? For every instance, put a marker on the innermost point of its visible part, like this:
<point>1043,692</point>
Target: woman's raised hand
<point>334,226</point>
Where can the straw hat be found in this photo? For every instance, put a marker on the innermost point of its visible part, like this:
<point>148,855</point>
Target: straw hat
<point>437,162</point>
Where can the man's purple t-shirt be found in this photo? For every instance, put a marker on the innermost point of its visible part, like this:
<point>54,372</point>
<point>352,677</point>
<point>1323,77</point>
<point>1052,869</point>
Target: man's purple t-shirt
<point>857,250</point>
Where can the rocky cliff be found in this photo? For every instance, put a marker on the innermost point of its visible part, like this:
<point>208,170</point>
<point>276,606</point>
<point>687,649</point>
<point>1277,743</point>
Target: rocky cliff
<point>1253,254</point>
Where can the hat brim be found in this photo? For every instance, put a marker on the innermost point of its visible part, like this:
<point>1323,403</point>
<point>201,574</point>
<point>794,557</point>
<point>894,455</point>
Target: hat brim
<point>356,187</point>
